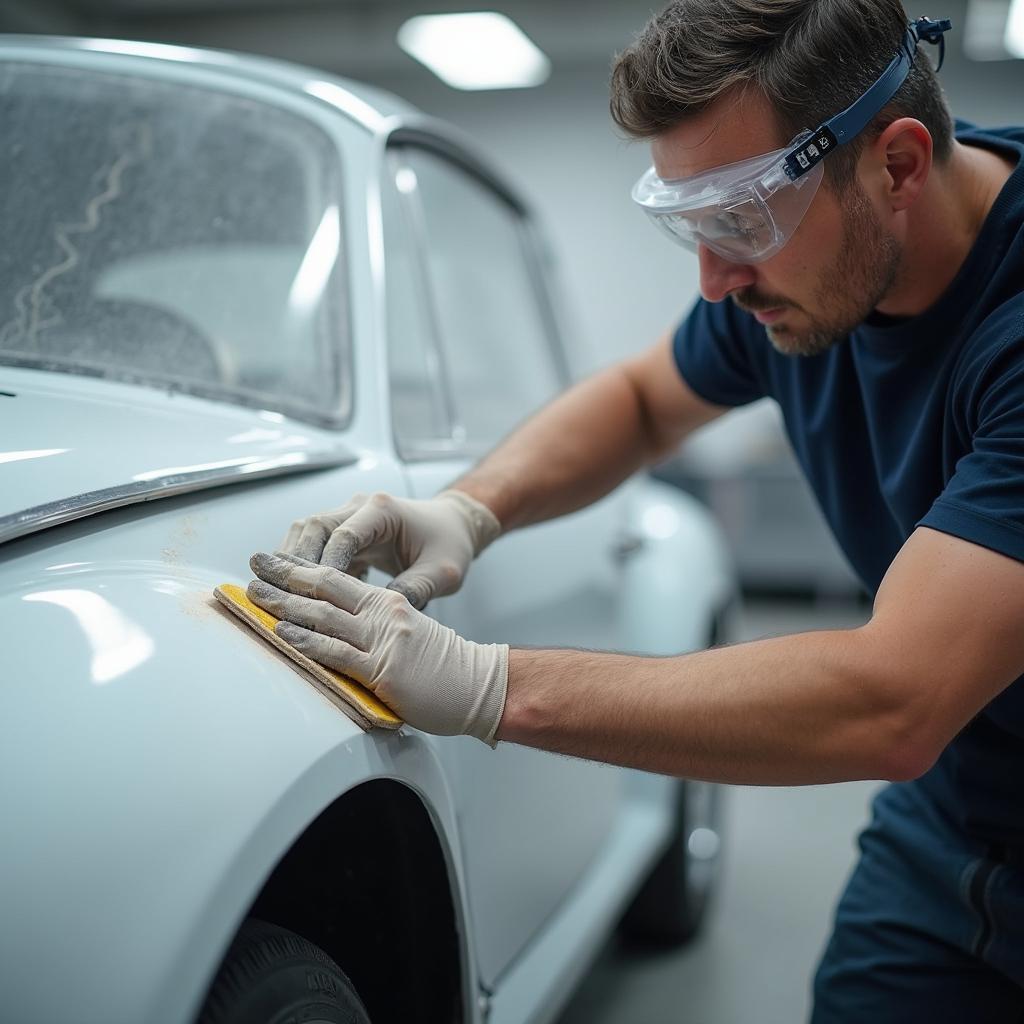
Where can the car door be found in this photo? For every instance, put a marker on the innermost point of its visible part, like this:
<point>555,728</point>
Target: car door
<point>473,352</point>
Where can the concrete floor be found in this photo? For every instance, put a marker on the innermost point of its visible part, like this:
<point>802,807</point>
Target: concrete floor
<point>787,855</point>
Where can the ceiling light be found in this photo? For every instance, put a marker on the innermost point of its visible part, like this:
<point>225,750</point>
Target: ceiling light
<point>480,50</point>
<point>984,28</point>
<point>994,29</point>
<point>1014,38</point>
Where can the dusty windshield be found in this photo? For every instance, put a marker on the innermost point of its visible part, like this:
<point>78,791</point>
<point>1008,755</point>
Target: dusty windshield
<point>172,236</point>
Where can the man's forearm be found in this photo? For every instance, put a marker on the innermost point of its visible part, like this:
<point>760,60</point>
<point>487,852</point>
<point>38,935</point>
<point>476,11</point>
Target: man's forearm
<point>804,709</point>
<point>574,451</point>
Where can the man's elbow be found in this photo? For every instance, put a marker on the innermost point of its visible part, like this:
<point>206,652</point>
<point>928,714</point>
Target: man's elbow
<point>912,736</point>
<point>903,736</point>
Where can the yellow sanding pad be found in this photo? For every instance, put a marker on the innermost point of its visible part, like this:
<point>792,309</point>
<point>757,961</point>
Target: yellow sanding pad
<point>353,698</point>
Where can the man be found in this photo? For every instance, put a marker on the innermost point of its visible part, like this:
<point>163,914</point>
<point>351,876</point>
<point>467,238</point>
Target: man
<point>873,268</point>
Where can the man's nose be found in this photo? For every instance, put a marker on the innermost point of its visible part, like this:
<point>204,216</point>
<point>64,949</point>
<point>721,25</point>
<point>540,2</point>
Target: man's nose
<point>720,277</point>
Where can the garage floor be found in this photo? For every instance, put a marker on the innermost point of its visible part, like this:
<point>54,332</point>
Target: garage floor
<point>788,852</point>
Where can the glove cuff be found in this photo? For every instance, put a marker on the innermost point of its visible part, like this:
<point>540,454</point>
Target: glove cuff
<point>483,523</point>
<point>486,715</point>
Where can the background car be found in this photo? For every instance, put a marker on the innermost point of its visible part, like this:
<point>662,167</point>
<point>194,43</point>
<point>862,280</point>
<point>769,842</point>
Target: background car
<point>743,468</point>
<point>235,292</point>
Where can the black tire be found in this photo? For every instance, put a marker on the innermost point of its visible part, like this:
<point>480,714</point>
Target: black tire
<point>273,976</point>
<point>672,903</point>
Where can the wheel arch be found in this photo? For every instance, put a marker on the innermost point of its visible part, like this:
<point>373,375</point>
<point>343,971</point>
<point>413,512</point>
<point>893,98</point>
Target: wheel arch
<point>369,882</point>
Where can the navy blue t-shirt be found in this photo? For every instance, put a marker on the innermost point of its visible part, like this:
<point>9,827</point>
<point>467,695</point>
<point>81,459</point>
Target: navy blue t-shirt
<point>918,422</point>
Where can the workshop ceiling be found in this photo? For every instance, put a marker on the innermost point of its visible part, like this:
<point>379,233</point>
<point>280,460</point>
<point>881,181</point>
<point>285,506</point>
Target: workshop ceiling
<point>355,37</point>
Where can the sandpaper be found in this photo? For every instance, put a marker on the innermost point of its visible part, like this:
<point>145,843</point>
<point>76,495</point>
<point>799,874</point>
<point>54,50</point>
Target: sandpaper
<point>351,697</point>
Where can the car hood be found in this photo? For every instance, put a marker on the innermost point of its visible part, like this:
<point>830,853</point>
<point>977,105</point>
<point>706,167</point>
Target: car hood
<point>72,446</point>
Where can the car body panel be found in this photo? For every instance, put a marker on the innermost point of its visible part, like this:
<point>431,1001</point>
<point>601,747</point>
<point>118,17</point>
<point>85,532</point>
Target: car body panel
<point>538,586</point>
<point>57,432</point>
<point>147,795</point>
<point>538,985</point>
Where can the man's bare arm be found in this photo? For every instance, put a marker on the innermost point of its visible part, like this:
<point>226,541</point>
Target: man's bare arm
<point>881,701</point>
<point>590,439</point>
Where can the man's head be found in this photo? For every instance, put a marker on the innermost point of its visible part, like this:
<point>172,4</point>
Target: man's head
<point>712,82</point>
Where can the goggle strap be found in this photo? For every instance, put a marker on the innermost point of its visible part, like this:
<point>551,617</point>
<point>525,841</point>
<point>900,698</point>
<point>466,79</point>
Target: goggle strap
<point>927,31</point>
<point>852,121</point>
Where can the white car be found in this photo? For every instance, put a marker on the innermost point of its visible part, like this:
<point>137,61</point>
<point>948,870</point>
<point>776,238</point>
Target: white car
<point>235,292</point>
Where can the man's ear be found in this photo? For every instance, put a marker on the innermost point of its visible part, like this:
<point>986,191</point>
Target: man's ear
<point>901,157</point>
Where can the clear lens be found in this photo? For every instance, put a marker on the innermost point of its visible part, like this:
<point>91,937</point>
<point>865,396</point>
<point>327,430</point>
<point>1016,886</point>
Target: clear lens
<point>744,231</point>
<point>747,227</point>
<point>678,227</point>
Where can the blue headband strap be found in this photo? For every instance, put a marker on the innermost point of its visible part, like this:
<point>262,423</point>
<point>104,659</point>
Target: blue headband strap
<point>856,117</point>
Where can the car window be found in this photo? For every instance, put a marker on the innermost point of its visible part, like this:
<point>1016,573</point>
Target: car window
<point>174,236</point>
<point>419,411</point>
<point>496,344</point>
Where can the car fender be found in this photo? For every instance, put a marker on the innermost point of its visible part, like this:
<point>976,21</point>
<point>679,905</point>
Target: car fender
<point>158,760</point>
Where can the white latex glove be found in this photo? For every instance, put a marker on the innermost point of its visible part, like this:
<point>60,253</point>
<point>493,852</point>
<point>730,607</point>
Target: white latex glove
<point>425,672</point>
<point>426,545</point>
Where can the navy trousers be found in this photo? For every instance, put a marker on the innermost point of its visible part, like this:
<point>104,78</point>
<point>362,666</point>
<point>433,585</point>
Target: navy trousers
<point>930,928</point>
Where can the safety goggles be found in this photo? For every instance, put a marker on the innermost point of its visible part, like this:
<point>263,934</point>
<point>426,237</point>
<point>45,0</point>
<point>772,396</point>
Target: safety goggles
<point>747,211</point>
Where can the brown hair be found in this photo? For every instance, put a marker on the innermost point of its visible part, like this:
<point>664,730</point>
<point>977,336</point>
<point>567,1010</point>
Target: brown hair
<point>810,58</point>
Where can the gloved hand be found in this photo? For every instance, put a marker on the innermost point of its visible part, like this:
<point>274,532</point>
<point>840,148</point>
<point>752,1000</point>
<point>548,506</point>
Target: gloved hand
<point>426,545</point>
<point>425,672</point>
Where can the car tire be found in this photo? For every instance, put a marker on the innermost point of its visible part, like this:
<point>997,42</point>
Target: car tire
<point>671,905</point>
<point>273,976</point>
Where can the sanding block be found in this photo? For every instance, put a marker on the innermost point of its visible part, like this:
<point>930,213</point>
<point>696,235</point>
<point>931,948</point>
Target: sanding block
<point>351,697</point>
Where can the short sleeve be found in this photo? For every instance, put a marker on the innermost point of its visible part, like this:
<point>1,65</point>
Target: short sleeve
<point>983,502</point>
<point>713,349</point>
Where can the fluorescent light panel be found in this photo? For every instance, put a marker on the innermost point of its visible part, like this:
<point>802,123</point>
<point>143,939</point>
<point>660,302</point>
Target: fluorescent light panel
<point>994,29</point>
<point>478,50</point>
<point>1013,40</point>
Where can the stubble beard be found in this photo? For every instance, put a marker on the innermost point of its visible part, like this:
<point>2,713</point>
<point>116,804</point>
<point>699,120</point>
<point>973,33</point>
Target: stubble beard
<point>851,287</point>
